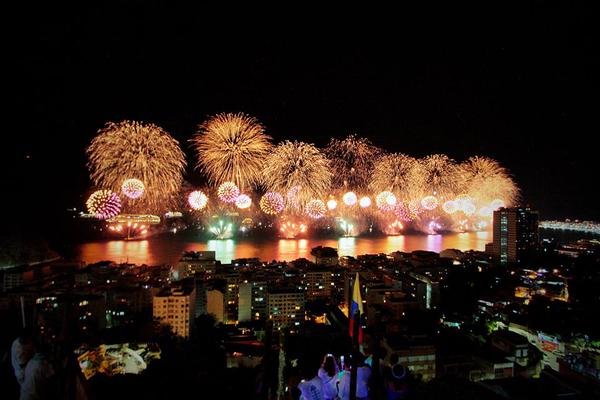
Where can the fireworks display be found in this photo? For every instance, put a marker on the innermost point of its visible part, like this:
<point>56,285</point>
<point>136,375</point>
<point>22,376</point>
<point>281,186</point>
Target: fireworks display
<point>348,228</point>
<point>299,166</point>
<point>386,201</point>
<point>394,228</point>
<point>429,202</point>
<point>290,230</point>
<point>432,194</point>
<point>316,209</point>
<point>350,199</point>
<point>272,203</point>
<point>132,188</point>
<point>232,147</point>
<point>331,204</point>
<point>486,180</point>
<point>365,202</point>
<point>222,230</point>
<point>243,201</point>
<point>352,160</point>
<point>104,204</point>
<point>450,207</point>
<point>228,192</point>
<point>130,148</point>
<point>440,175</point>
<point>197,200</point>
<point>397,173</point>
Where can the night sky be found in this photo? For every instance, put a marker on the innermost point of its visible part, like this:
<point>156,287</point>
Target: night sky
<point>519,85</point>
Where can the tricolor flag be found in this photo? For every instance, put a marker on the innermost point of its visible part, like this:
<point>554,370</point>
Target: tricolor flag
<point>356,305</point>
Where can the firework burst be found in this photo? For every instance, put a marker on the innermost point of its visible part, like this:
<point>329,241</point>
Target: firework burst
<point>243,201</point>
<point>429,202</point>
<point>450,206</point>
<point>316,209</point>
<point>232,147</point>
<point>197,200</point>
<point>439,175</point>
<point>132,188</point>
<point>397,173</point>
<point>228,192</point>
<point>104,204</point>
<point>352,160</point>
<point>272,203</point>
<point>364,202</point>
<point>290,229</point>
<point>486,180</point>
<point>332,204</point>
<point>350,199</point>
<point>386,201</point>
<point>300,167</point>
<point>146,151</point>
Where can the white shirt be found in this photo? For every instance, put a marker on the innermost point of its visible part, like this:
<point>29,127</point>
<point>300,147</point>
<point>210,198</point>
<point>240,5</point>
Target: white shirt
<point>362,379</point>
<point>330,390</point>
<point>312,390</point>
<point>37,373</point>
<point>19,355</point>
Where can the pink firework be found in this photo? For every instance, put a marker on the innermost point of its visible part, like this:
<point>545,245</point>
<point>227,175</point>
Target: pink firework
<point>104,204</point>
<point>403,213</point>
<point>133,188</point>
<point>429,202</point>
<point>272,203</point>
<point>386,201</point>
<point>316,209</point>
<point>228,192</point>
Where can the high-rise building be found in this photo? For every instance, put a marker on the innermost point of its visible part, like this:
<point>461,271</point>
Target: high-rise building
<point>215,304</point>
<point>324,256</point>
<point>286,307</point>
<point>245,302</point>
<point>175,306</point>
<point>192,262</point>
<point>318,283</point>
<point>515,233</point>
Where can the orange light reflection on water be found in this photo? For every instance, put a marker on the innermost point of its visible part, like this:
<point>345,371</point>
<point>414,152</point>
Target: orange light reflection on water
<point>168,248</point>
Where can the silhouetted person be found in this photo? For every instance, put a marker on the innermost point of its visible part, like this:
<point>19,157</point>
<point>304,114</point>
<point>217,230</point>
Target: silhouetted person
<point>329,376</point>
<point>396,385</point>
<point>363,374</point>
<point>21,351</point>
<point>37,377</point>
<point>311,388</point>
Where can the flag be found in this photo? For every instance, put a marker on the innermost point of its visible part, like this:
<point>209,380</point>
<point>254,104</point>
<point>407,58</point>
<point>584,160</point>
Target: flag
<point>356,305</point>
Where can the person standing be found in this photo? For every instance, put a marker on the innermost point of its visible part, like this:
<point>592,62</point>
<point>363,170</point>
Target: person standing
<point>37,377</point>
<point>21,351</point>
<point>363,374</point>
<point>329,376</point>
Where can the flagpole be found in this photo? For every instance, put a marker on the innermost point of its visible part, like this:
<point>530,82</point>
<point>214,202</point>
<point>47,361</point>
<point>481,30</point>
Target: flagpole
<point>355,355</point>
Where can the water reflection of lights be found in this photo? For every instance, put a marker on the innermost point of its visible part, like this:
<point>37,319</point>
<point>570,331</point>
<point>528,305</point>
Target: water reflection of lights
<point>167,249</point>
<point>127,251</point>
<point>395,243</point>
<point>224,249</point>
<point>347,246</point>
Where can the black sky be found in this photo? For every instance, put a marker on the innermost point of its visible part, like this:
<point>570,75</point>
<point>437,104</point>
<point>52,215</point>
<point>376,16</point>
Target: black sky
<point>517,84</point>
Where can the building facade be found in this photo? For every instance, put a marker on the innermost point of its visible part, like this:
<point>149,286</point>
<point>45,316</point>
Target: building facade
<point>286,308</point>
<point>176,307</point>
<point>515,233</point>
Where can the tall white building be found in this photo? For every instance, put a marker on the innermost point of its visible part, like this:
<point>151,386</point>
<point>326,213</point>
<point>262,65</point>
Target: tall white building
<point>286,308</point>
<point>175,307</point>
